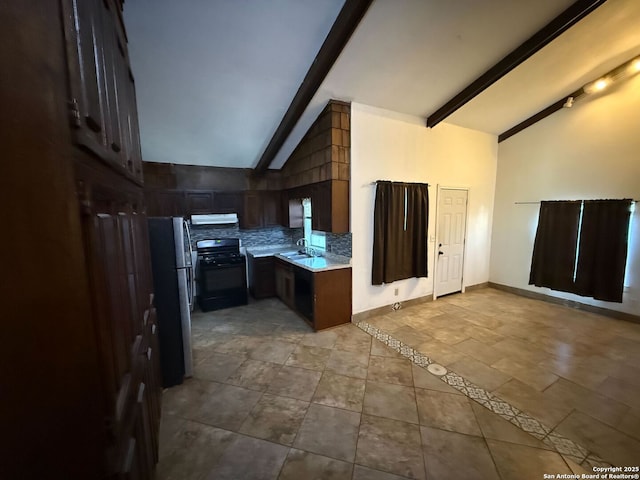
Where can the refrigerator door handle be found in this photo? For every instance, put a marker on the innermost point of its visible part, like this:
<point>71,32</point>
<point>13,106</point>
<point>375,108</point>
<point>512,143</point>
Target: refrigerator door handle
<point>192,270</point>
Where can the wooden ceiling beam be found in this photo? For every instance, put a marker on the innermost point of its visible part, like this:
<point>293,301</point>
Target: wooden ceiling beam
<point>346,22</point>
<point>572,15</point>
<point>542,114</point>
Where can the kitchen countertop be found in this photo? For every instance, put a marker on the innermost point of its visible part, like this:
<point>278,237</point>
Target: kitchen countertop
<point>270,251</point>
<point>314,264</point>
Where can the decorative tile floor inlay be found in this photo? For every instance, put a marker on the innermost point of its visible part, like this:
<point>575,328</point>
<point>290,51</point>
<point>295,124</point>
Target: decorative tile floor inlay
<point>437,370</point>
<point>523,421</point>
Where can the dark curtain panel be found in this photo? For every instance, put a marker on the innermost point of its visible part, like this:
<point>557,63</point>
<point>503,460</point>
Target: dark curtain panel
<point>603,249</point>
<point>399,243</point>
<point>417,222</point>
<point>554,250</point>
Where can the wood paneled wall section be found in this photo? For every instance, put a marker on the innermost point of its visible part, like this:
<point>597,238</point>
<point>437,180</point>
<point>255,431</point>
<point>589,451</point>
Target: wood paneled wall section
<point>169,176</point>
<point>324,153</point>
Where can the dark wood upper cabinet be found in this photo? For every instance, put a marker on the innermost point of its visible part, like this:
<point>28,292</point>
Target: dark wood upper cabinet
<point>329,206</point>
<point>90,100</point>
<point>251,214</point>
<point>260,209</point>
<point>271,208</point>
<point>321,207</point>
<point>228,202</point>
<point>165,203</point>
<point>198,202</point>
<point>172,202</point>
<point>102,103</point>
<point>292,212</point>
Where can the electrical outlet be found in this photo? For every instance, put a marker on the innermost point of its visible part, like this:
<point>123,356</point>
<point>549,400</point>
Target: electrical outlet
<point>395,292</point>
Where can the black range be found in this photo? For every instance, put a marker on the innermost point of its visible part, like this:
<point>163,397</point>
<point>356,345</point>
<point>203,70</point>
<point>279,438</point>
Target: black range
<point>222,277</point>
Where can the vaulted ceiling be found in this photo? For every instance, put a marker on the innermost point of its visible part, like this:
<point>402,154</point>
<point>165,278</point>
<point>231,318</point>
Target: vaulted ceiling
<point>215,78</point>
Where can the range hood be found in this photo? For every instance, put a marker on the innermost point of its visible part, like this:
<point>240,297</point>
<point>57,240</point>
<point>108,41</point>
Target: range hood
<point>215,219</point>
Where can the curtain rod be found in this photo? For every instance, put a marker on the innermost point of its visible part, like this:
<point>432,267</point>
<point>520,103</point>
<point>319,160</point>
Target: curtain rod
<point>392,181</point>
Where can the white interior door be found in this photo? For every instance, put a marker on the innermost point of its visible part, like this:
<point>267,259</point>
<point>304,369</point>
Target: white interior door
<point>452,218</point>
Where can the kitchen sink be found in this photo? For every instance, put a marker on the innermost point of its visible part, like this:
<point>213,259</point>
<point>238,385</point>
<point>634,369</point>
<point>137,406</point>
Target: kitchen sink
<point>295,255</point>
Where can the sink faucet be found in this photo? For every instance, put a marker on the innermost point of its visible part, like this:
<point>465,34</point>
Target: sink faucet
<point>302,243</point>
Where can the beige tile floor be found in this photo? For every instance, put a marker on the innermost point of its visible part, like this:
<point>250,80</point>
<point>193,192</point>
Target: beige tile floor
<point>272,400</point>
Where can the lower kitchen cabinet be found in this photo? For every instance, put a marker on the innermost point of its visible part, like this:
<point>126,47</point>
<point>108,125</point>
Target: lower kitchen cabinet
<point>284,282</point>
<point>322,298</point>
<point>114,229</point>
<point>262,276</point>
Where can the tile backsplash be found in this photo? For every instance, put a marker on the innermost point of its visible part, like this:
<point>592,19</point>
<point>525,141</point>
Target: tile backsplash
<point>339,243</point>
<point>255,237</point>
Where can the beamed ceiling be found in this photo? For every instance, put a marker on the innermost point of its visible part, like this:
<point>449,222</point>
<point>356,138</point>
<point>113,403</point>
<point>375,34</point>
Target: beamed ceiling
<point>216,79</point>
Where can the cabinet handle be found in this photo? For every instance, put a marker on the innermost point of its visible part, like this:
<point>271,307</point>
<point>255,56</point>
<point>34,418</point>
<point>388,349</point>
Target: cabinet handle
<point>141,392</point>
<point>75,113</point>
<point>149,353</point>
<point>92,124</point>
<point>128,459</point>
<point>145,318</point>
<point>153,329</point>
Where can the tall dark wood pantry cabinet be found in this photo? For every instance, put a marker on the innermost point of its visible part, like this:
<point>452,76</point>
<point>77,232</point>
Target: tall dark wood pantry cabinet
<point>80,395</point>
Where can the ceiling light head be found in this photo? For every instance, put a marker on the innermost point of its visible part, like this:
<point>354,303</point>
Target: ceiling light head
<point>634,66</point>
<point>568,102</point>
<point>597,86</point>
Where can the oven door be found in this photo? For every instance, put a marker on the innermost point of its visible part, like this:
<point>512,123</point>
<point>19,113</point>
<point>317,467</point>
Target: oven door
<point>220,278</point>
<point>222,286</point>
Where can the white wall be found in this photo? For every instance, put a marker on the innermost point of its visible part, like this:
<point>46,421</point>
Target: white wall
<point>589,151</point>
<point>390,146</point>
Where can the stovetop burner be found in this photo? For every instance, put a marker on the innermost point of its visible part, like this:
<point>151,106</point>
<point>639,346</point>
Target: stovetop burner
<point>218,248</point>
<point>225,258</point>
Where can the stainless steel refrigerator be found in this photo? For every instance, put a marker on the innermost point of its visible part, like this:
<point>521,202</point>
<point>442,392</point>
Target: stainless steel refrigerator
<point>173,285</point>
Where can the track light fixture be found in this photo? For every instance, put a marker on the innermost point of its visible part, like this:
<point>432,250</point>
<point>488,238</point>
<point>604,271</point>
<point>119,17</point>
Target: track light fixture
<point>621,72</point>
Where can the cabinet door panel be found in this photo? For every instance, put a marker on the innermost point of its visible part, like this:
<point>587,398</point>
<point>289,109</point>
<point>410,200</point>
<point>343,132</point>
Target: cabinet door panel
<point>103,102</point>
<point>162,203</point>
<point>110,66</point>
<point>271,208</point>
<point>199,202</point>
<point>117,251</point>
<point>132,128</point>
<point>262,276</point>
<point>252,212</point>
<point>228,202</point>
<point>107,253</point>
<point>88,24</point>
